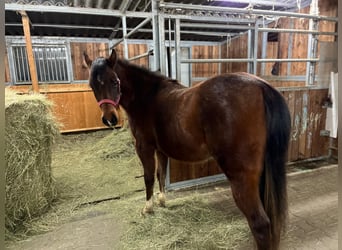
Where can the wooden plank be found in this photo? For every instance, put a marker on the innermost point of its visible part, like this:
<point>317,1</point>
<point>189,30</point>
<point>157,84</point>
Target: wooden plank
<point>285,94</point>
<point>293,138</point>
<point>304,123</point>
<point>76,110</point>
<point>319,143</point>
<point>7,70</point>
<point>30,55</point>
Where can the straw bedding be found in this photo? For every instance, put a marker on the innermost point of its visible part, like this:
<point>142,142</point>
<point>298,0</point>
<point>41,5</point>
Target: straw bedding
<point>29,134</point>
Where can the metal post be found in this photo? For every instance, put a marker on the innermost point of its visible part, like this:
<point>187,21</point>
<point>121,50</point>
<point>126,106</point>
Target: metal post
<point>124,30</point>
<point>162,56</point>
<point>170,52</point>
<point>249,33</point>
<point>263,52</point>
<point>255,49</point>
<point>155,31</point>
<point>312,44</point>
<point>178,49</point>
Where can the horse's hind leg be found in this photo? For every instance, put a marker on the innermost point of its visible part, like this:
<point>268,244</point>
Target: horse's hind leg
<point>245,189</point>
<point>161,174</point>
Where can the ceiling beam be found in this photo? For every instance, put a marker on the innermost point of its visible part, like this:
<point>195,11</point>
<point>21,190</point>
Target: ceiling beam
<point>88,3</point>
<point>124,5</point>
<point>237,11</point>
<point>99,4</point>
<point>73,10</point>
<point>111,4</point>
<point>63,26</point>
<point>76,3</point>
<point>275,3</point>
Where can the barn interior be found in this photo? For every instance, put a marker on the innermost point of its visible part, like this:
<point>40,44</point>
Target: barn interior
<point>292,44</point>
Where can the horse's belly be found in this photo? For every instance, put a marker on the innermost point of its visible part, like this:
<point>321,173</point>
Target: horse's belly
<point>183,151</point>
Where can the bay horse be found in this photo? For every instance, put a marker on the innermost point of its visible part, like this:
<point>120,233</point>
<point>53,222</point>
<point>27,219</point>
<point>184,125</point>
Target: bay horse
<point>237,119</point>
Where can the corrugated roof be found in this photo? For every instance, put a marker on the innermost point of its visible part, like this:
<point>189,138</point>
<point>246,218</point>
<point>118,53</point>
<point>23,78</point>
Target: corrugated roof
<point>103,19</point>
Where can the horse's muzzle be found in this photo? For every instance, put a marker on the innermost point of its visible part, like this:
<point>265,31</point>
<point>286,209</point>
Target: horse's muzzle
<point>113,121</point>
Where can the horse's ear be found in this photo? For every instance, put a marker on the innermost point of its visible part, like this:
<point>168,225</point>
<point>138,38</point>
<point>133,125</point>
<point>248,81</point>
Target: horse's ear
<point>87,60</point>
<point>112,58</point>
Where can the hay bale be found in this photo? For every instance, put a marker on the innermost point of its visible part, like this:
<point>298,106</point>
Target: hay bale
<point>29,134</point>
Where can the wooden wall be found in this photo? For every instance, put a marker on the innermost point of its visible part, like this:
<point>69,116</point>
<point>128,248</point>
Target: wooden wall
<point>235,48</point>
<point>204,52</point>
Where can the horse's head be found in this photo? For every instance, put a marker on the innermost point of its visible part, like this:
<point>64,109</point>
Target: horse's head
<point>106,86</point>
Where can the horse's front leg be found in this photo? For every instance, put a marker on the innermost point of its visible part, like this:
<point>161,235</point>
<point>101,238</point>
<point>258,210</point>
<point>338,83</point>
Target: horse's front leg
<point>161,174</point>
<point>146,155</point>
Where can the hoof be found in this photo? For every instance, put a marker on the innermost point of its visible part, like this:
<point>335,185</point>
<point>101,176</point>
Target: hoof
<point>161,200</point>
<point>148,209</point>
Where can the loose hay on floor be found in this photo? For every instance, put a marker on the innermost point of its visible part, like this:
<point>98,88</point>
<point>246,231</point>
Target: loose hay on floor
<point>29,133</point>
<point>191,222</point>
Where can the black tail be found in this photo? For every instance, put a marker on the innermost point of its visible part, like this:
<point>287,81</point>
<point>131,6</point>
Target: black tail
<point>273,191</point>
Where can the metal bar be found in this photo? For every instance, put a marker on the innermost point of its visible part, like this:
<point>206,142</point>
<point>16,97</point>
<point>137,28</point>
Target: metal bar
<point>64,26</point>
<point>162,61</point>
<point>197,181</point>
<point>249,51</point>
<point>204,33</point>
<point>298,31</point>
<point>178,50</point>
<point>146,6</point>
<point>18,64</point>
<point>217,60</point>
<point>131,32</point>
<point>76,3</point>
<point>70,76</point>
<point>155,34</point>
<point>290,47</point>
<point>245,11</point>
<point>54,64</point>
<point>223,60</point>
<point>311,43</point>
<point>170,51</point>
<point>138,26</point>
<point>136,5</point>
<point>208,33</point>
<point>223,19</point>
<point>115,29</point>
<point>140,56</point>
<point>216,26</point>
<point>288,60</point>
<point>111,4</point>
<point>39,63</point>
<point>293,78</point>
<point>99,4</point>
<point>124,29</point>
<point>88,3</point>
<point>124,5</point>
<point>257,2</point>
<point>74,10</point>
<point>255,49</point>
<point>47,62</point>
<point>263,52</point>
